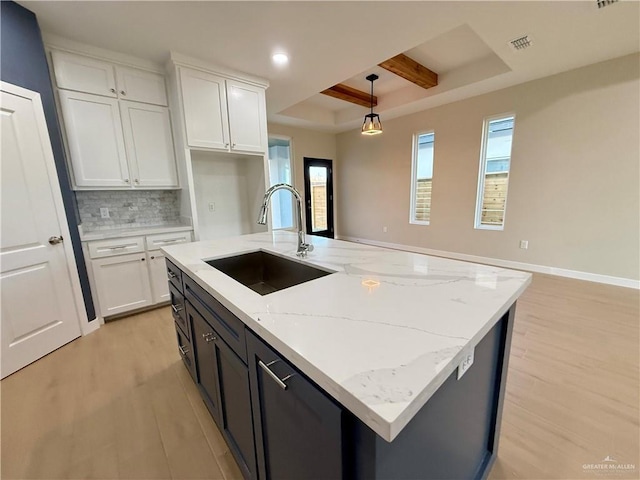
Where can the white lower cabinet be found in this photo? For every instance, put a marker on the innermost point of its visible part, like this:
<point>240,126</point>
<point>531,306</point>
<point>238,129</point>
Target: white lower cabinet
<point>158,275</point>
<point>122,283</point>
<point>130,273</point>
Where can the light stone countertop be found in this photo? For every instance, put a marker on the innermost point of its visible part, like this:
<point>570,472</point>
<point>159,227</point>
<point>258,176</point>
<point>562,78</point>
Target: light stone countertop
<point>380,350</point>
<point>131,232</point>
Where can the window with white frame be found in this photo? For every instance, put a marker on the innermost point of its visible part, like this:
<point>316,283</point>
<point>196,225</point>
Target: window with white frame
<point>280,171</point>
<point>493,178</point>
<point>421,178</point>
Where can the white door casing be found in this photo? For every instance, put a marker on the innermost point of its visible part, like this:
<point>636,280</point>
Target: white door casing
<point>41,299</point>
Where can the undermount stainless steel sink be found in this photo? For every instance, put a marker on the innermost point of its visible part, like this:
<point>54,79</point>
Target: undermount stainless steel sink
<point>265,273</point>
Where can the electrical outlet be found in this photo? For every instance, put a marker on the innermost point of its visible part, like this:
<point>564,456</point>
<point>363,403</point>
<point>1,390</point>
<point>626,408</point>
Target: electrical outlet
<point>104,212</point>
<point>524,244</point>
<point>384,229</point>
<point>466,363</point>
<point>212,207</point>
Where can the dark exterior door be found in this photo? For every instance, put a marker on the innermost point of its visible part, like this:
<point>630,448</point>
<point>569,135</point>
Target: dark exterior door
<point>318,196</point>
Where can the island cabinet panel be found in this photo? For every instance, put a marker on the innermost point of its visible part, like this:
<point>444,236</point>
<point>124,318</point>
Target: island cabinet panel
<point>228,326</point>
<point>298,428</point>
<point>455,434</point>
<point>223,379</point>
<point>206,364</point>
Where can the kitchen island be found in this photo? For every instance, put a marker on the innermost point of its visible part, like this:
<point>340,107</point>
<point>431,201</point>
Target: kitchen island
<point>357,374</point>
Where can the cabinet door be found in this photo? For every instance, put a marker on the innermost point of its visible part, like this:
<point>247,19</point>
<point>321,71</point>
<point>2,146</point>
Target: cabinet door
<point>122,283</point>
<point>83,74</point>
<point>236,420</point>
<point>141,86</point>
<point>149,143</point>
<point>204,101</point>
<point>247,117</point>
<point>298,428</point>
<point>206,360</point>
<point>96,143</point>
<point>158,276</point>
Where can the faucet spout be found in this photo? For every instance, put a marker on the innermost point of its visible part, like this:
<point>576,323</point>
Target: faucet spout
<point>303,247</point>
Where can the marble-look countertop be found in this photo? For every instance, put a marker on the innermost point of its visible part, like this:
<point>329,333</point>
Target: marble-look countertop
<point>131,232</point>
<point>380,335</point>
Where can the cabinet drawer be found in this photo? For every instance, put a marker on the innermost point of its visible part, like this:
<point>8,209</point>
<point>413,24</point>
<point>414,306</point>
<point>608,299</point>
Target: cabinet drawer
<point>160,240</point>
<point>116,246</point>
<point>186,352</point>
<point>228,326</point>
<point>178,309</point>
<point>174,275</point>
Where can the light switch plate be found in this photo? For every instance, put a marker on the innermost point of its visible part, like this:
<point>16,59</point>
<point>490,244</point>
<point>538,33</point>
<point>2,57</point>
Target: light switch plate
<point>104,212</point>
<point>466,363</point>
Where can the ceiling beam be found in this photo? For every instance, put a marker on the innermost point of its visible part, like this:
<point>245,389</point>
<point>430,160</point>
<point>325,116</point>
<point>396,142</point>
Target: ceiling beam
<point>411,70</point>
<point>349,94</point>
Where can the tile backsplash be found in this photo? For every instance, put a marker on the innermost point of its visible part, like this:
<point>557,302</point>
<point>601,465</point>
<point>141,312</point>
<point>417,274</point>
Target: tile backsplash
<point>128,208</point>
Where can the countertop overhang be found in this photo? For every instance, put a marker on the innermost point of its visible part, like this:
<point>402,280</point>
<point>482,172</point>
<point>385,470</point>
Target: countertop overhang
<point>381,334</point>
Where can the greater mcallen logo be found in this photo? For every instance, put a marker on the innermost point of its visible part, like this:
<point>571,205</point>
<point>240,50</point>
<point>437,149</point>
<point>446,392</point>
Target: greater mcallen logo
<point>608,465</point>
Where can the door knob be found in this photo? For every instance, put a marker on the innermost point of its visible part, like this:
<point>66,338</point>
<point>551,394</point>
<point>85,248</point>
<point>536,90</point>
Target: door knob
<point>56,240</point>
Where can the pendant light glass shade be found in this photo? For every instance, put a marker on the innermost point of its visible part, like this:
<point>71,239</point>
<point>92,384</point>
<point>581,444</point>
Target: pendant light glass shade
<point>372,124</point>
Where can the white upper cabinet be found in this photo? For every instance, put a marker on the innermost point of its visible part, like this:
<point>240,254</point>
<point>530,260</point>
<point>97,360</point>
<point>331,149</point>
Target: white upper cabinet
<point>84,74</point>
<point>147,135</point>
<point>204,100</point>
<point>117,124</point>
<point>247,115</point>
<point>223,114</point>
<point>95,140</point>
<point>141,86</point>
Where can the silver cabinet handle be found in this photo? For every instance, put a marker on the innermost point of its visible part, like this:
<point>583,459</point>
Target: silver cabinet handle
<point>122,92</point>
<point>126,180</point>
<point>183,350</point>
<point>176,308</point>
<point>171,275</point>
<point>209,337</point>
<point>118,247</point>
<point>280,383</point>
<point>142,259</point>
<point>226,145</point>
<point>55,240</point>
<point>112,90</point>
<point>137,181</point>
<point>233,145</point>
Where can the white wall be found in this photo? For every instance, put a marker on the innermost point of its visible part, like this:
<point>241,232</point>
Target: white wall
<point>574,186</point>
<point>235,184</point>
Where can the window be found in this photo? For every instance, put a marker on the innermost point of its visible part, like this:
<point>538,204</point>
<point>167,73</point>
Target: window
<point>493,179</point>
<point>421,178</point>
<point>280,171</point>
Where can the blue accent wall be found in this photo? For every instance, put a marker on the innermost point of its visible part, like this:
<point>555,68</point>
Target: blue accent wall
<point>23,62</point>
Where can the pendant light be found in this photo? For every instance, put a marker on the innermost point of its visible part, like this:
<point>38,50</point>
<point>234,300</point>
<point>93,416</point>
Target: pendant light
<point>372,124</point>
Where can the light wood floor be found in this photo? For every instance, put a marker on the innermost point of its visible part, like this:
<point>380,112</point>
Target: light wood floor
<point>119,404</point>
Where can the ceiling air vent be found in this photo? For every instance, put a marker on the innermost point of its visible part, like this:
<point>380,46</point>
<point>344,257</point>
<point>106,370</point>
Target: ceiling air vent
<point>605,3</point>
<point>521,43</point>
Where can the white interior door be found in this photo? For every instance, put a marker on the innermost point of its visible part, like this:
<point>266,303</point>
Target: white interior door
<point>38,307</point>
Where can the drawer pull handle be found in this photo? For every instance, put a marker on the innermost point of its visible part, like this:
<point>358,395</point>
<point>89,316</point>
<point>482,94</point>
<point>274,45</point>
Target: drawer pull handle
<point>119,247</point>
<point>171,275</point>
<point>209,337</point>
<point>183,350</point>
<point>177,308</point>
<point>280,383</point>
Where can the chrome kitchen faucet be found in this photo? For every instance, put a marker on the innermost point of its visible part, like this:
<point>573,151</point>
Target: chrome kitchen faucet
<point>303,247</point>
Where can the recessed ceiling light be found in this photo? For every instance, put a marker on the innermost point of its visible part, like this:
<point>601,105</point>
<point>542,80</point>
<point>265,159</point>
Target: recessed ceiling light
<point>280,58</point>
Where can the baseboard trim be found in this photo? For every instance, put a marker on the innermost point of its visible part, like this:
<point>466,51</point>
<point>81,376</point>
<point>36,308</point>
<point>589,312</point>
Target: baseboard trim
<point>530,267</point>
